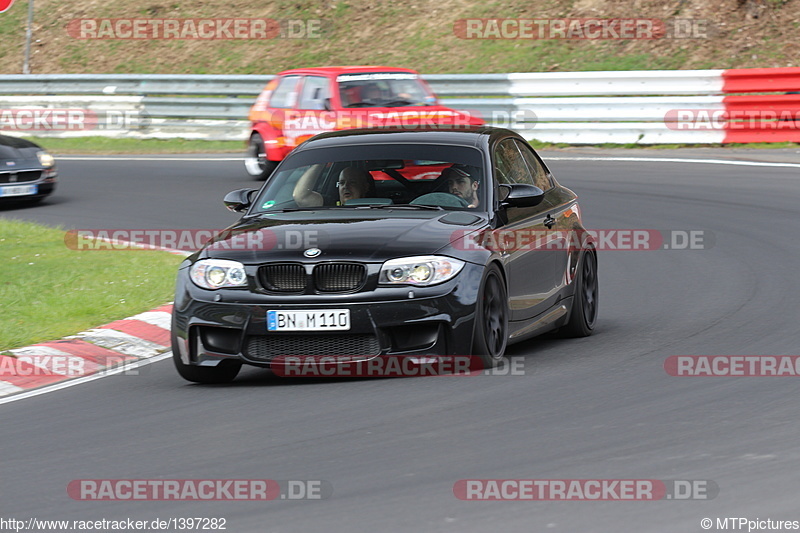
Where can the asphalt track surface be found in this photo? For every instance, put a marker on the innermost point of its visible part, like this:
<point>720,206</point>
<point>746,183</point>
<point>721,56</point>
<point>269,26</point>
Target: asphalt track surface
<point>602,407</point>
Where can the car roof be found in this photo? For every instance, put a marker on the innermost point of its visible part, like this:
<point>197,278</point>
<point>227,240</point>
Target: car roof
<point>335,71</point>
<point>460,136</point>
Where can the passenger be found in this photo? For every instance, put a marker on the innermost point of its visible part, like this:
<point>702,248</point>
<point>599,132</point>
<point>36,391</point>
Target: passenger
<point>353,183</point>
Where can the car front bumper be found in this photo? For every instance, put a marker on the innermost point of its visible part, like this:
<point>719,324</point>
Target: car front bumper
<point>44,186</point>
<point>213,326</point>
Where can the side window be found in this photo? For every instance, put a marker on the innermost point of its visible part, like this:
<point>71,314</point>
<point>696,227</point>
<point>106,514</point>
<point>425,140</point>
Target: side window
<point>285,94</point>
<point>509,165</point>
<point>285,193</point>
<point>315,91</point>
<point>540,177</point>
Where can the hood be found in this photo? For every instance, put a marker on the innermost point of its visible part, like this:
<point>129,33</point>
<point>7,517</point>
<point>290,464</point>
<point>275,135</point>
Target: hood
<point>18,153</point>
<point>374,236</point>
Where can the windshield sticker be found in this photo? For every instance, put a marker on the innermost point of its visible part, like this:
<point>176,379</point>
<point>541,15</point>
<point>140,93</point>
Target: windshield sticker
<point>377,76</point>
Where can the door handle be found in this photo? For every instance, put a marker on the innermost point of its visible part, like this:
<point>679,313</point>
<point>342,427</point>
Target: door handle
<point>549,221</point>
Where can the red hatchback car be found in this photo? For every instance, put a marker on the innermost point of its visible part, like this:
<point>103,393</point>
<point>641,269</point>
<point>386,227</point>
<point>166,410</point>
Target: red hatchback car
<point>300,103</point>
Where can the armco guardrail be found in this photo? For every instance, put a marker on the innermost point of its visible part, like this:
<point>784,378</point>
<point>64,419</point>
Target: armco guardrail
<point>645,107</point>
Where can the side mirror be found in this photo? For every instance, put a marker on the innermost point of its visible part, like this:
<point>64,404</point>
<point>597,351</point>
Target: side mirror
<point>520,195</point>
<point>239,200</point>
<point>326,103</point>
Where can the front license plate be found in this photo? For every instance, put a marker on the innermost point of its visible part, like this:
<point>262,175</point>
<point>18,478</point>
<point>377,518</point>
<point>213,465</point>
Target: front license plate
<point>18,190</point>
<point>328,320</point>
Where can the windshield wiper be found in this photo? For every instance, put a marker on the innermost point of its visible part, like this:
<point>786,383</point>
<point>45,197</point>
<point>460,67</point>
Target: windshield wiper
<point>292,210</point>
<point>406,206</point>
<point>398,103</point>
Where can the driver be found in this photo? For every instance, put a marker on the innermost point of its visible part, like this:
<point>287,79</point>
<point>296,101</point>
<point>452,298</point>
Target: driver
<point>370,93</point>
<point>353,183</point>
<point>462,181</point>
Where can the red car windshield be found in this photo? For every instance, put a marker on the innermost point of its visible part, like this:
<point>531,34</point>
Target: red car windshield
<point>383,89</point>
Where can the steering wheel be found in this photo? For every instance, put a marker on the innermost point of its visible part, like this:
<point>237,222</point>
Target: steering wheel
<point>441,199</point>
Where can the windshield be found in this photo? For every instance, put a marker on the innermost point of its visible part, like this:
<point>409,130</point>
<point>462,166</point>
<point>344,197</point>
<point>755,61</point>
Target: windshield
<point>405,176</point>
<point>383,89</point>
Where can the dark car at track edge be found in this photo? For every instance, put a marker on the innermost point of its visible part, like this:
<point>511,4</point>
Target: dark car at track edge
<point>27,172</point>
<point>454,242</point>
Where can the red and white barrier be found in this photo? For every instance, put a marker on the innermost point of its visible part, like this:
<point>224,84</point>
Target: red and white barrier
<point>639,107</point>
<point>658,106</point>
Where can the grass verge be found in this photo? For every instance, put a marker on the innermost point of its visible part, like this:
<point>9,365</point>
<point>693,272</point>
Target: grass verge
<point>540,145</point>
<point>49,291</point>
<point>108,146</point>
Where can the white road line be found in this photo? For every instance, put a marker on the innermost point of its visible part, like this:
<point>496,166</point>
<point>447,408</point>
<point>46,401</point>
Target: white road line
<point>145,158</point>
<point>549,158</point>
<point>77,381</point>
<point>675,160</point>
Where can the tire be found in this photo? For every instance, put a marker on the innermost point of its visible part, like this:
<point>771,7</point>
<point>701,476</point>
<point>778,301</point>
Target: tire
<point>224,372</point>
<point>255,161</point>
<point>583,316</point>
<point>490,335</point>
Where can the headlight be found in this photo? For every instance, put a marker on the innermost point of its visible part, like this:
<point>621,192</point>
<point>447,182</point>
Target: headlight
<point>423,270</point>
<point>45,159</point>
<point>218,274</point>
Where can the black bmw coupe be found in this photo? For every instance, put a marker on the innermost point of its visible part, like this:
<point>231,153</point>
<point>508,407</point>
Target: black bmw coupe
<point>384,243</point>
